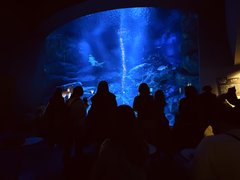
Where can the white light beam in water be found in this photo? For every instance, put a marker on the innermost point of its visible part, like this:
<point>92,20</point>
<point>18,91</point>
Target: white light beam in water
<point>124,67</point>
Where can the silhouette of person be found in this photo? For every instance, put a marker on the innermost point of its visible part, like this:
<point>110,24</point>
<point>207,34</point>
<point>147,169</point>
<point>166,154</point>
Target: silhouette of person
<point>207,94</point>
<point>124,155</point>
<point>189,106</point>
<point>144,104</point>
<point>162,125</point>
<point>208,102</point>
<point>75,124</point>
<point>185,130</point>
<point>51,125</point>
<point>101,114</point>
<point>217,157</point>
<point>231,95</point>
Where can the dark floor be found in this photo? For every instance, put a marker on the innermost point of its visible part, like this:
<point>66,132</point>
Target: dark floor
<point>42,163</point>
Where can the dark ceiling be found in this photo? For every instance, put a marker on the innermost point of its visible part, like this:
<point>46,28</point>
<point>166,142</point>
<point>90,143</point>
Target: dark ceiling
<point>31,13</point>
<point>19,19</point>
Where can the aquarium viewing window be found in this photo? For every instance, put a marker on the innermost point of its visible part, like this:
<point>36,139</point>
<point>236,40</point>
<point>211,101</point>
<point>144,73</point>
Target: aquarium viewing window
<point>125,47</point>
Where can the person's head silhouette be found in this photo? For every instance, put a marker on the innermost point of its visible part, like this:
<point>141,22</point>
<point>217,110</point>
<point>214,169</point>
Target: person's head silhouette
<point>191,92</point>
<point>58,92</point>
<point>77,92</point>
<point>144,89</point>
<point>159,98</point>
<point>125,116</point>
<point>207,88</point>
<point>102,88</point>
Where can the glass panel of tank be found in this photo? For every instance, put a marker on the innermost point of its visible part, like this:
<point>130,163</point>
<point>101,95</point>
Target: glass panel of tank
<point>125,47</point>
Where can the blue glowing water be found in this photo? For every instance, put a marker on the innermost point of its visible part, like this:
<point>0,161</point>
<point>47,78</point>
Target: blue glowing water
<point>124,47</point>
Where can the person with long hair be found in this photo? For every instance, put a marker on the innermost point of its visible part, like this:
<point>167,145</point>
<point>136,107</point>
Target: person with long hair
<point>101,114</point>
<point>124,155</point>
<point>143,104</point>
<point>162,124</point>
<point>75,124</point>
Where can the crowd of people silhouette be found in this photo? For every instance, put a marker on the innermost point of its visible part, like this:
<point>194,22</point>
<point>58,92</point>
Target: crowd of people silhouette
<point>121,138</point>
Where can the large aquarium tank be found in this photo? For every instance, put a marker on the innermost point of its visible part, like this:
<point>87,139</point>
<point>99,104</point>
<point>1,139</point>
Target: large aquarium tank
<point>125,47</point>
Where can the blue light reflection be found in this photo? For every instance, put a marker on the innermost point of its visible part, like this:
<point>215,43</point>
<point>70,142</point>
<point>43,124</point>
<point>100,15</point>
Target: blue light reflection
<point>125,47</point>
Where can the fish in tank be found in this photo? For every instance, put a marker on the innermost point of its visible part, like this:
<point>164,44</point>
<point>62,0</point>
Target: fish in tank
<point>125,47</point>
